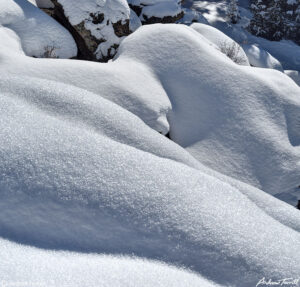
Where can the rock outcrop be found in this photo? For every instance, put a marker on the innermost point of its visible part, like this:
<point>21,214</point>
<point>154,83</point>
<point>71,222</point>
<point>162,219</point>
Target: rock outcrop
<point>98,26</point>
<point>157,11</point>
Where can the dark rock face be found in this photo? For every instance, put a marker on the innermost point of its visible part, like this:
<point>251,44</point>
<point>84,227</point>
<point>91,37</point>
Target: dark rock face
<point>98,33</point>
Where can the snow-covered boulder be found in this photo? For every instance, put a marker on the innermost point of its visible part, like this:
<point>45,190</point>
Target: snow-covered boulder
<point>259,57</point>
<point>157,11</point>
<point>98,26</point>
<point>40,36</point>
<point>224,43</point>
<point>295,75</point>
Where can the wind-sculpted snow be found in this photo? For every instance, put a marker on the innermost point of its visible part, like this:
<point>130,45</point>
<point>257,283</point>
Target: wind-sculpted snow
<point>40,35</point>
<point>80,171</point>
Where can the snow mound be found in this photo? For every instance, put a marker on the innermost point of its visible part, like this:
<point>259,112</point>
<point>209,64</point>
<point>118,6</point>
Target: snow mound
<point>295,75</point>
<point>259,57</point>
<point>218,106</point>
<point>225,44</point>
<point>38,32</point>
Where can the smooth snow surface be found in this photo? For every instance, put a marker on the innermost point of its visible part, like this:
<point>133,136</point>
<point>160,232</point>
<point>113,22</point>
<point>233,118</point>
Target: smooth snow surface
<point>261,58</point>
<point>222,41</point>
<point>82,170</point>
<point>295,75</point>
<point>37,31</point>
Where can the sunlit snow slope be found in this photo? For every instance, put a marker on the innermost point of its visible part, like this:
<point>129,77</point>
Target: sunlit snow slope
<point>83,167</point>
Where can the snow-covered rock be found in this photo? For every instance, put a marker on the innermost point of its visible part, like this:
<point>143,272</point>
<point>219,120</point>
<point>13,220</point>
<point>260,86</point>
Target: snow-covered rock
<point>98,26</point>
<point>39,34</point>
<point>157,11</point>
<point>224,43</point>
<point>295,75</point>
<point>259,57</point>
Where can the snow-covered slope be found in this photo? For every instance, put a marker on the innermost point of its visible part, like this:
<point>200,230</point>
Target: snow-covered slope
<point>74,185</point>
<point>81,168</point>
<point>39,33</point>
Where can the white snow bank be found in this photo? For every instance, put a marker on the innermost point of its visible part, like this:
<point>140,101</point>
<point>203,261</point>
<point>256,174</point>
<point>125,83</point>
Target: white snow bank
<point>259,57</point>
<point>51,269</point>
<point>295,75</point>
<point>225,44</point>
<point>37,31</point>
